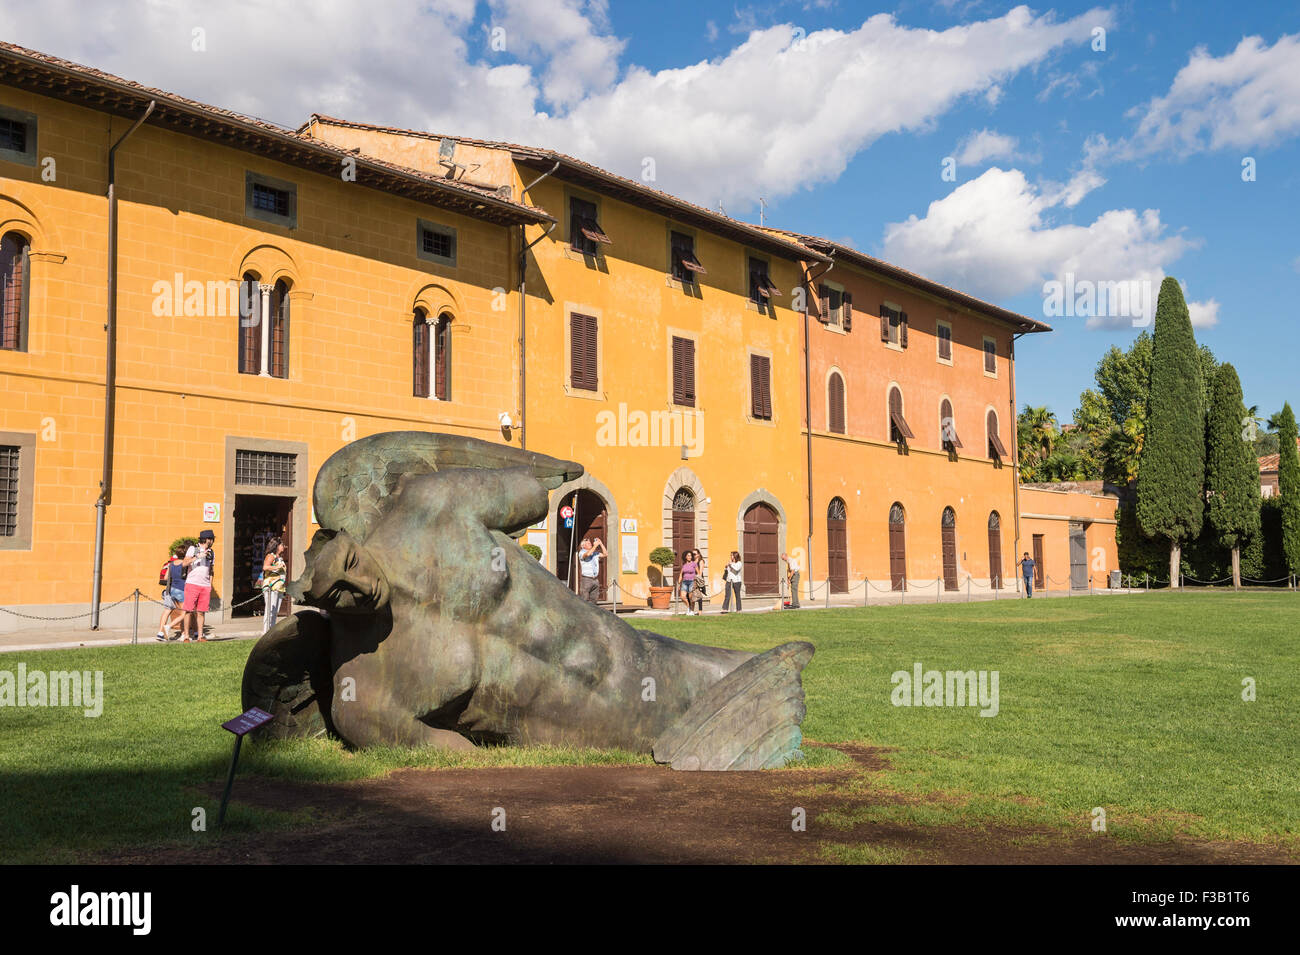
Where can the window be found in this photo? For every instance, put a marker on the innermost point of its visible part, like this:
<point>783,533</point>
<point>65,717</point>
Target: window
<point>270,200</point>
<point>683,372</point>
<point>10,455</point>
<point>263,328</point>
<point>17,136</point>
<point>899,432</point>
<point>943,334</point>
<point>948,439</point>
<point>17,486</point>
<point>990,356</point>
<point>435,243</point>
<point>420,339</point>
<point>997,451</point>
<point>761,289</point>
<point>585,234</point>
<point>685,266</point>
<point>442,358</point>
<point>266,468</point>
<point>582,352</point>
<point>760,387</point>
<point>893,326</point>
<point>15,265</point>
<point>835,403</point>
<point>830,301</point>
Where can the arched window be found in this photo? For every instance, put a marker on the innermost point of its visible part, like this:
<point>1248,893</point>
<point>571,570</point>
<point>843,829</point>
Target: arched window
<point>996,450</point>
<point>250,326</point>
<point>278,336</point>
<point>14,270</point>
<point>897,548</point>
<point>442,358</point>
<point>420,354</point>
<point>948,439</point>
<point>835,403</point>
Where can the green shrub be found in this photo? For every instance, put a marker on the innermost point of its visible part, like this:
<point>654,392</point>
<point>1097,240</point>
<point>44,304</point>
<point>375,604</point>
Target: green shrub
<point>534,550</point>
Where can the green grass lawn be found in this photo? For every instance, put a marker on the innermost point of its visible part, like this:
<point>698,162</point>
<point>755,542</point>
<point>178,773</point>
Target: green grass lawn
<point>1133,704</point>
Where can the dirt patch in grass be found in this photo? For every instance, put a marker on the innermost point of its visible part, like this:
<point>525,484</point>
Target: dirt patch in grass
<point>635,814</point>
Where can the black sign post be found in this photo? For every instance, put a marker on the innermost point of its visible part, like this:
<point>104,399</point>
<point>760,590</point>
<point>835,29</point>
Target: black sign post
<point>240,725</point>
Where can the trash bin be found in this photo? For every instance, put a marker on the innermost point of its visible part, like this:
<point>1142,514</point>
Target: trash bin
<point>1114,580</point>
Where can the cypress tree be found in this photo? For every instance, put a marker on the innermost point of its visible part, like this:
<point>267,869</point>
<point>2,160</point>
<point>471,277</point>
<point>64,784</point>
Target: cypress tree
<point>1171,470</point>
<point>1231,469</point>
<point>1288,488</point>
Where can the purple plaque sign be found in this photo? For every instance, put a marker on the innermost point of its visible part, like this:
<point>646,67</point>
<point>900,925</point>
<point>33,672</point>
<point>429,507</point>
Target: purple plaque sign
<point>247,722</point>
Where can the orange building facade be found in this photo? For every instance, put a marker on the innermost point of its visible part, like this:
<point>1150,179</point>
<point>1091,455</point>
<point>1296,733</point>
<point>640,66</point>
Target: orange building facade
<point>280,293</point>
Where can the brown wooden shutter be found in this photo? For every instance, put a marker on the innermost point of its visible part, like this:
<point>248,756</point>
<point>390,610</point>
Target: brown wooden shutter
<point>846,310</point>
<point>250,327</point>
<point>823,304</point>
<point>442,358</point>
<point>279,318</point>
<point>13,283</point>
<point>884,324</point>
<point>902,329</point>
<point>683,371</point>
<point>760,385</point>
<point>836,396</point>
<point>582,351</point>
<point>419,356</point>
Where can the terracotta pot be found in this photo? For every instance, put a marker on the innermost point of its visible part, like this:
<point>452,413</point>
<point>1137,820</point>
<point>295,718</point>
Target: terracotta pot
<point>659,597</point>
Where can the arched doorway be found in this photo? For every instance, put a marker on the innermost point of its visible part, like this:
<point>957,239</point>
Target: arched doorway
<point>837,546</point>
<point>995,551</point>
<point>949,526</point>
<point>761,550</point>
<point>590,519</point>
<point>683,526</point>
<point>897,548</point>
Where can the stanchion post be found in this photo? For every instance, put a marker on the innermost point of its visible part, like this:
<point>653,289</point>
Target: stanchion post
<point>828,593</point>
<point>135,626</point>
<point>866,591</point>
<point>938,588</point>
<point>968,588</point>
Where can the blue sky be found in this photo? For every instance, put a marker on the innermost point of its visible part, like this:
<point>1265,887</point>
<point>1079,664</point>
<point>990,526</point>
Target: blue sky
<point>1114,165</point>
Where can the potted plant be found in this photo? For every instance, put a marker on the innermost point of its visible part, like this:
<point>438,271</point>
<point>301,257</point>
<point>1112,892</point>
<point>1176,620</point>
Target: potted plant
<point>661,557</point>
<point>533,551</point>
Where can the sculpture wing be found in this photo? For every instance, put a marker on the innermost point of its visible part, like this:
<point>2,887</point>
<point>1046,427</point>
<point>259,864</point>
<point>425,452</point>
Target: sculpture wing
<point>355,482</point>
<point>747,720</point>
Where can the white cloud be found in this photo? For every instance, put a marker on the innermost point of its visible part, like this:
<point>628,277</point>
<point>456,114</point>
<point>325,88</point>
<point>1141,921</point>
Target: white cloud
<point>751,122</point>
<point>995,237</point>
<point>1204,314</point>
<point>984,145</point>
<point>1246,99</point>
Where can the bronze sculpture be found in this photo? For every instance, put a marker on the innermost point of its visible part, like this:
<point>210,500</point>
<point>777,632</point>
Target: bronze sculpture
<point>440,630</point>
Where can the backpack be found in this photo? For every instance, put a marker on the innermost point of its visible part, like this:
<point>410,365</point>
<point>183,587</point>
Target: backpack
<point>164,575</point>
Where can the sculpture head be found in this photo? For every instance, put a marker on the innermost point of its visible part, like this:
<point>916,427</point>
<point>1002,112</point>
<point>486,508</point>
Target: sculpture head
<point>342,576</point>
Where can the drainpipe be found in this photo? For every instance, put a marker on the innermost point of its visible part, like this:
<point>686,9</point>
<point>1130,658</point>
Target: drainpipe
<point>523,271</point>
<point>110,373</point>
<point>807,411</point>
<point>1015,445</point>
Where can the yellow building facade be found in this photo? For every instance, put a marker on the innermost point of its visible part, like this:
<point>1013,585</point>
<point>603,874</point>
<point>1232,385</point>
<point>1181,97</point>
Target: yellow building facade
<point>280,293</point>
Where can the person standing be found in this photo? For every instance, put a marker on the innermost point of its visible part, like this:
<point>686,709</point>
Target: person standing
<point>173,595</point>
<point>687,586</point>
<point>792,570</point>
<point>1027,571</point>
<point>198,585</point>
<point>273,572</point>
<point>732,577</point>
<point>589,555</point>
<point>701,589</point>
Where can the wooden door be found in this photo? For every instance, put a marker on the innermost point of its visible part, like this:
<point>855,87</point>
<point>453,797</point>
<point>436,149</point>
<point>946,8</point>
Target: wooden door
<point>761,553</point>
<point>1078,556</point>
<point>590,521</point>
<point>897,549</point>
<point>1040,571</point>
<point>949,527</point>
<point>995,551</point>
<point>683,528</point>
<point>837,547</point>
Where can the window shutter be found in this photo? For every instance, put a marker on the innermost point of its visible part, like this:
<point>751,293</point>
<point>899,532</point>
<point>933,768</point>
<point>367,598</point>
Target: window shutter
<point>419,358</point>
<point>576,330</point>
<point>589,357</point>
<point>902,329</point>
<point>767,388</point>
<point>688,372</point>
<point>846,310</point>
<point>755,387</point>
<point>884,324</point>
<point>837,404</point>
<point>823,304</point>
<point>442,358</point>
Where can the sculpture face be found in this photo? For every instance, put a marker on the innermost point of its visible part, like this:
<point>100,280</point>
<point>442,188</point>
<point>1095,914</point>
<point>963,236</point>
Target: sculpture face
<point>450,634</point>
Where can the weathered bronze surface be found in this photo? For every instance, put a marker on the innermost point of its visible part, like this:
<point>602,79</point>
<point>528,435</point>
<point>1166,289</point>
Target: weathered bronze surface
<point>440,630</point>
